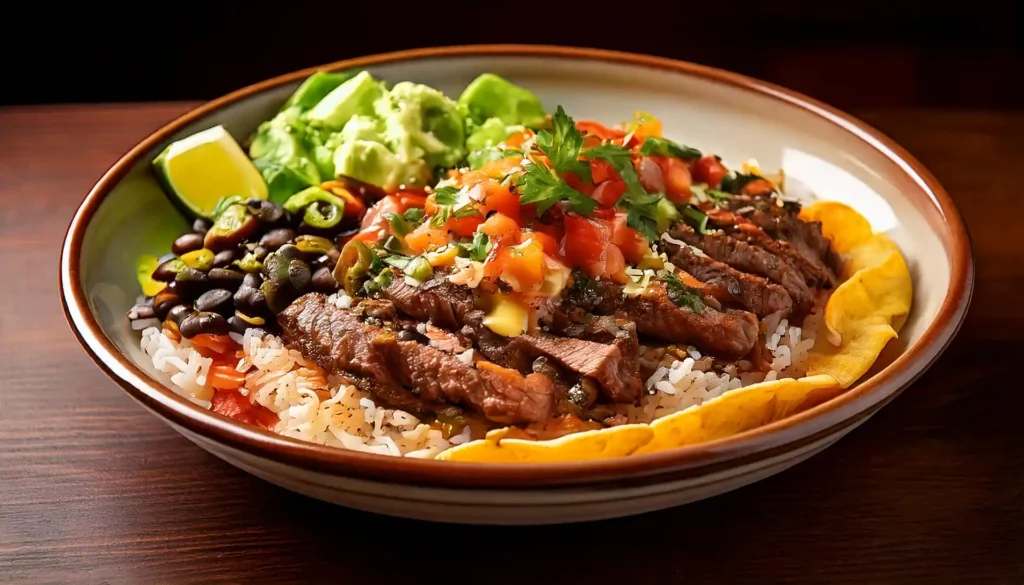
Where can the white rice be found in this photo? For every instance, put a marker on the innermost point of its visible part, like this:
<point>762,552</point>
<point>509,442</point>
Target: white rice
<point>320,409</point>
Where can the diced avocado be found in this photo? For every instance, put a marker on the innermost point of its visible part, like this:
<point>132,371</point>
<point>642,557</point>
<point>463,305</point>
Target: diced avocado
<point>314,88</point>
<point>362,128</point>
<point>199,170</point>
<point>351,98</point>
<point>280,154</point>
<point>367,161</point>
<point>490,96</point>
<point>493,131</point>
<point>423,125</point>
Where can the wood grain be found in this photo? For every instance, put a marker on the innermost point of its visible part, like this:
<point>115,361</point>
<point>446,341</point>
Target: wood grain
<point>95,490</point>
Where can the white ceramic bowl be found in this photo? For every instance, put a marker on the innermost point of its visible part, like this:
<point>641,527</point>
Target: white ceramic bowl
<point>820,149</point>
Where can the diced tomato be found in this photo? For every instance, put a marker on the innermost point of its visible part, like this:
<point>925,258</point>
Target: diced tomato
<point>522,266</point>
<point>677,178</point>
<point>218,344</point>
<point>708,170</point>
<point>224,376</point>
<point>599,130</point>
<point>494,263</point>
<point>232,404</point>
<point>499,227</point>
<point>574,181</point>
<point>603,213</point>
<point>464,227</point>
<point>609,192</point>
<point>430,205</point>
<point>602,170</point>
<point>547,242</point>
<point>632,244</point>
<point>497,197</point>
<point>425,237</point>
<point>410,199</point>
<point>585,243</point>
<point>615,264</point>
<point>375,221</point>
<point>517,139</point>
<point>757,187</point>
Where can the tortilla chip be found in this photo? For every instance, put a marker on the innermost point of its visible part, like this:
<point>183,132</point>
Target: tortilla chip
<point>586,446</point>
<point>860,317</point>
<point>740,410</point>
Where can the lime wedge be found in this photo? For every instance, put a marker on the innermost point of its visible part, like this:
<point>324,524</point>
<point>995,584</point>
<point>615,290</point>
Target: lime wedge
<point>200,170</point>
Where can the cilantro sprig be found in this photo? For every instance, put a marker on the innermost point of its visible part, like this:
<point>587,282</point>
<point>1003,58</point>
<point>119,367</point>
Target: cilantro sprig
<point>644,211</point>
<point>654,146</point>
<point>681,294</point>
<point>542,185</point>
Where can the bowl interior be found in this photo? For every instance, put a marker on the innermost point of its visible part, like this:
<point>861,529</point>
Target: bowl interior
<point>819,157</point>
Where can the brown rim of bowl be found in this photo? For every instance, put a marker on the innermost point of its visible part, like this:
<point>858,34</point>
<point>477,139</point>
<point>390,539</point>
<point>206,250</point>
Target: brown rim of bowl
<point>690,461</point>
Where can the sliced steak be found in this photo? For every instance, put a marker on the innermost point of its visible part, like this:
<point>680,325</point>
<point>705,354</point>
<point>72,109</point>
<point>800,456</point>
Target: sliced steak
<point>450,305</point>
<point>725,333</point>
<point>340,342</point>
<point>730,286</point>
<point>748,258</point>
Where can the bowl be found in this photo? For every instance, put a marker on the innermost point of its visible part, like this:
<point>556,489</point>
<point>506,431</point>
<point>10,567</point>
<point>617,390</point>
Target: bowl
<point>820,149</point>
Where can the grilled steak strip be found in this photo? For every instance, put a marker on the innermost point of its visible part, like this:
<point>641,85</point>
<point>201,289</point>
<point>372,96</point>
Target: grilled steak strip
<point>451,306</point>
<point>340,342</point>
<point>726,333</point>
<point>747,258</point>
<point>730,286</point>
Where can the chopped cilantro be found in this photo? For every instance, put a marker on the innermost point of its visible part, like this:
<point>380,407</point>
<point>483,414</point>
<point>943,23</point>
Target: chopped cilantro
<point>654,146</point>
<point>446,195</point>
<point>398,223</point>
<point>562,145</point>
<point>467,211</point>
<point>413,215</point>
<point>397,260</point>
<point>543,188</point>
<point>478,249</point>
<point>643,209</point>
<point>682,295</point>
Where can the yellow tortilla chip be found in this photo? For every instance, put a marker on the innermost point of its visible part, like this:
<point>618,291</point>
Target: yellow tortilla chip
<point>740,410</point>
<point>586,446</point>
<point>860,318</point>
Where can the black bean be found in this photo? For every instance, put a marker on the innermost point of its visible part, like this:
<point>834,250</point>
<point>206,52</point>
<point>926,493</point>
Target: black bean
<point>274,239</point>
<point>299,275</point>
<point>237,324</point>
<point>141,311</point>
<point>167,270</point>
<point>178,313</point>
<point>411,333</point>
<point>252,280</point>
<point>217,300</point>
<point>265,211</point>
<point>225,278</point>
<point>197,323</point>
<point>332,256</point>
<point>260,252</point>
<point>191,283</point>
<point>163,302</point>
<point>323,280</point>
<point>187,243</point>
<point>201,226</point>
<point>224,258</point>
<point>257,300</point>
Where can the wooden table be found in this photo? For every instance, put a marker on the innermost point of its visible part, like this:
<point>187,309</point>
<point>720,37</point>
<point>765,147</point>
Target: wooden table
<point>95,490</point>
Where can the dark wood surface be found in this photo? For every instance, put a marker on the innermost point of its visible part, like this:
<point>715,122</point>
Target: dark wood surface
<point>95,490</point>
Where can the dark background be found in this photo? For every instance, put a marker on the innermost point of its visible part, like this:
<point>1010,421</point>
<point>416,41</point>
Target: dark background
<point>870,53</point>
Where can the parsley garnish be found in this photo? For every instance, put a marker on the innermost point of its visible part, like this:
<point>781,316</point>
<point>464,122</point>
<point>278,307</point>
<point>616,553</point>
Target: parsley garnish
<point>413,215</point>
<point>733,182</point>
<point>682,295</point>
<point>562,145</point>
<point>446,195</point>
<point>543,188</point>
<point>642,207</point>
<point>654,146</point>
<point>478,249</point>
<point>446,198</point>
<point>696,219</point>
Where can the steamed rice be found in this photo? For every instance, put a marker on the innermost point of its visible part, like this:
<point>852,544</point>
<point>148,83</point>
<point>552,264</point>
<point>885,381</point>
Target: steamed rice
<point>317,408</point>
